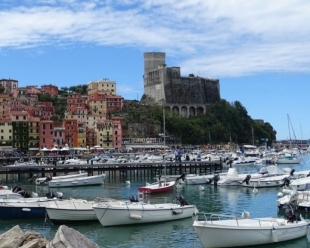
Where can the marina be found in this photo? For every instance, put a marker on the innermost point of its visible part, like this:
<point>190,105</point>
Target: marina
<point>178,233</point>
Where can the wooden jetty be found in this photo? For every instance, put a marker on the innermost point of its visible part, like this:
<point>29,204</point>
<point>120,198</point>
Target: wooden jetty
<point>144,168</point>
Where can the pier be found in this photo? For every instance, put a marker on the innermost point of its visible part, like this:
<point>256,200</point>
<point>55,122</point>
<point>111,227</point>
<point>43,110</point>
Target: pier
<point>141,168</point>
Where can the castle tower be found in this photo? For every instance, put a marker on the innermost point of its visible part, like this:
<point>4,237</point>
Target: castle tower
<point>153,60</point>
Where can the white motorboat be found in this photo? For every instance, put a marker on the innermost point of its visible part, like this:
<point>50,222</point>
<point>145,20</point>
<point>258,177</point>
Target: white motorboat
<point>300,184</point>
<point>229,231</point>
<point>288,159</point>
<point>232,178</point>
<point>128,213</point>
<point>266,182</point>
<point>77,181</point>
<point>73,161</point>
<point>45,180</point>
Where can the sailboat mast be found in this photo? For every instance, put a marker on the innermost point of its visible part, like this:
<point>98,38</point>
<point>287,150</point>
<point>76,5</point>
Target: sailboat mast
<point>289,129</point>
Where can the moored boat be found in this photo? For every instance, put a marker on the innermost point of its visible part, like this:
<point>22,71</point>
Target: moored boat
<point>128,213</point>
<point>158,187</point>
<point>218,230</point>
<point>77,181</point>
<point>45,180</point>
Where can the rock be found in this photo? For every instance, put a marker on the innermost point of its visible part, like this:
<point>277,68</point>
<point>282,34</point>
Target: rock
<point>12,238</point>
<point>67,237</point>
<point>34,240</point>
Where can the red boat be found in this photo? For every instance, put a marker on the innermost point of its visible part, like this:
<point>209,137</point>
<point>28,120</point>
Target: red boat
<point>156,187</point>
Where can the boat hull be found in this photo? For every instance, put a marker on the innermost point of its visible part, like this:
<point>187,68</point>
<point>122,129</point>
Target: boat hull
<point>80,181</point>
<point>41,181</point>
<point>21,212</point>
<point>141,213</point>
<point>156,188</point>
<point>247,235</point>
<point>66,215</point>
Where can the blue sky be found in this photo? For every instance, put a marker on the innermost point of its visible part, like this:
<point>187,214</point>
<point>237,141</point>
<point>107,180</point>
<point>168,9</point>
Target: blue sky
<point>259,50</point>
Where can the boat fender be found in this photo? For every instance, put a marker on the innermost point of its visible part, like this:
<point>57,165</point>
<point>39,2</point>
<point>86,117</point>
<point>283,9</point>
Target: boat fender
<point>274,235</point>
<point>135,216</point>
<point>26,209</point>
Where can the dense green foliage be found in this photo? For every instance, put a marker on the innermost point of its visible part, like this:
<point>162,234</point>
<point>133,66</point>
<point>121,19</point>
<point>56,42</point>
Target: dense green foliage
<point>223,122</point>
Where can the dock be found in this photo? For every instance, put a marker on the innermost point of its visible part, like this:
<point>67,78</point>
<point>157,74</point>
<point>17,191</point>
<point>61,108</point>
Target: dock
<point>143,168</point>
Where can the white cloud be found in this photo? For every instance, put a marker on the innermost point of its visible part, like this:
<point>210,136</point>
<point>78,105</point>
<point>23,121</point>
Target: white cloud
<point>223,38</point>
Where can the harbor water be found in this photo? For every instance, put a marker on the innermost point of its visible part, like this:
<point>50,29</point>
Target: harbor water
<point>175,234</point>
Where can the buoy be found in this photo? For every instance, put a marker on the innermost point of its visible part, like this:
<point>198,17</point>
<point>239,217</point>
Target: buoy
<point>280,194</point>
<point>255,190</point>
<point>245,215</point>
<point>34,195</point>
<point>201,188</point>
<point>274,235</point>
<point>127,182</point>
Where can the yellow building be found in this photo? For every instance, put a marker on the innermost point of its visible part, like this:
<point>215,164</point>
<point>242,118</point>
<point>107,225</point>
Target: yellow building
<point>105,134</point>
<point>103,85</point>
<point>6,137</point>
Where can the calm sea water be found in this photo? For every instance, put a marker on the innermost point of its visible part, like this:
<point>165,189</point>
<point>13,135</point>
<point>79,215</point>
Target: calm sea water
<point>175,234</point>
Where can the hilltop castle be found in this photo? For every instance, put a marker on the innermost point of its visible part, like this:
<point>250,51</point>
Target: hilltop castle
<point>187,96</point>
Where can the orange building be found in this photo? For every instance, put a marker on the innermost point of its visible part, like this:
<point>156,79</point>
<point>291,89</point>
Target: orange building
<point>71,132</point>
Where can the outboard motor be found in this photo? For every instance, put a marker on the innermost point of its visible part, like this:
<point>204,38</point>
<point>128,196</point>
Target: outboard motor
<point>286,182</point>
<point>292,172</point>
<point>133,199</point>
<point>216,178</point>
<point>48,178</point>
<point>17,189</point>
<point>308,175</point>
<point>289,213</point>
<point>263,171</point>
<point>246,179</point>
<point>181,200</point>
<point>50,195</point>
<point>181,177</point>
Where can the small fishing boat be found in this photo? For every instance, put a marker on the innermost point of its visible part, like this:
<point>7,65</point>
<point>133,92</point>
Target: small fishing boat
<point>73,211</point>
<point>77,181</point>
<point>157,187</point>
<point>218,230</point>
<point>128,213</point>
<point>45,180</point>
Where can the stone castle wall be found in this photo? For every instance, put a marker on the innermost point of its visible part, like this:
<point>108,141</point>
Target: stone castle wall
<point>166,86</point>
